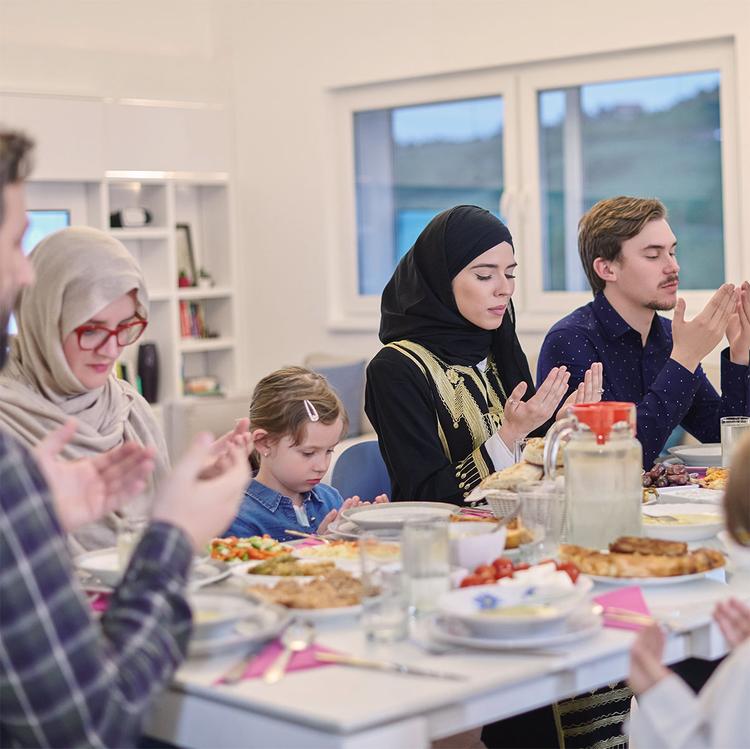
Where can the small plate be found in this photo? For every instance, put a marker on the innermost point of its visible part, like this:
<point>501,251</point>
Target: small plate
<point>694,531</point>
<point>217,613</point>
<point>393,515</point>
<point>104,564</point>
<point>263,624</point>
<point>582,624</point>
<point>243,570</point>
<point>708,454</point>
<point>691,494</point>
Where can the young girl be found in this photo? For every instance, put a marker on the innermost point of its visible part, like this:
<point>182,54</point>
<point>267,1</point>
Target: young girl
<point>669,714</point>
<point>296,420</point>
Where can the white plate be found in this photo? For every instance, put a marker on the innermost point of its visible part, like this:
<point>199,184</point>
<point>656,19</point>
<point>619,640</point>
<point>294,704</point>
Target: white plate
<point>691,494</point>
<point>651,581</point>
<point>393,515</point>
<point>265,622</point>
<point>319,615</point>
<point>708,454</point>
<point>583,624</point>
<point>244,571</point>
<point>694,532</point>
<point>217,613</point>
<point>105,565</point>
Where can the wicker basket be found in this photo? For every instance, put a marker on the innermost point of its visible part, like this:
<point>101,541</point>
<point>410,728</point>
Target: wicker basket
<point>504,504</point>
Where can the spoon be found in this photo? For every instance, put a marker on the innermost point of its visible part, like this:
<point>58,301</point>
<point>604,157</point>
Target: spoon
<point>307,535</point>
<point>297,637</point>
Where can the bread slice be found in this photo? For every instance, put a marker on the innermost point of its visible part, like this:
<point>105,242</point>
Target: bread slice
<point>511,478</point>
<point>533,452</point>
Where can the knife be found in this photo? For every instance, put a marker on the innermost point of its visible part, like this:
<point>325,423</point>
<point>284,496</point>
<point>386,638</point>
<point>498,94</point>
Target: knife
<point>400,668</point>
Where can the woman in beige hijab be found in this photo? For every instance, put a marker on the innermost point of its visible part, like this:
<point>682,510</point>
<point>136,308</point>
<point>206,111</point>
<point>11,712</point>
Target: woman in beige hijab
<point>88,303</point>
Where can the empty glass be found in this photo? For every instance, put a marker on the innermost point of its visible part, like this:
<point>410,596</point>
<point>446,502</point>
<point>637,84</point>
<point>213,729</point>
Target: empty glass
<point>425,548</point>
<point>543,514</point>
<point>385,608</point>
<point>733,429</point>
<point>130,527</point>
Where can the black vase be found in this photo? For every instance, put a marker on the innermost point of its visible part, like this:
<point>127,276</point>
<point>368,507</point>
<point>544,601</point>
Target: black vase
<point>148,371</point>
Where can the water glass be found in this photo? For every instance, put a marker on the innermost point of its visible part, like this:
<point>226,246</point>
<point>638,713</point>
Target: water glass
<point>733,429</point>
<point>425,548</point>
<point>131,526</point>
<point>518,448</point>
<point>385,609</point>
<point>543,514</point>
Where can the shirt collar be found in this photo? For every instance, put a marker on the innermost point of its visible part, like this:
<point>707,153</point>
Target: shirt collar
<point>271,499</point>
<point>609,318</point>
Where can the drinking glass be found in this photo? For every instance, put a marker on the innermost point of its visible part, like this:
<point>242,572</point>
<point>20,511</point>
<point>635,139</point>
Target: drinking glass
<point>518,447</point>
<point>543,514</point>
<point>733,429</point>
<point>385,608</point>
<point>131,526</point>
<point>425,548</point>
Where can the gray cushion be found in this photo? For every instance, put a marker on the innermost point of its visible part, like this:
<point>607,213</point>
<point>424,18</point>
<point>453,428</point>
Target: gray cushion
<point>348,380</point>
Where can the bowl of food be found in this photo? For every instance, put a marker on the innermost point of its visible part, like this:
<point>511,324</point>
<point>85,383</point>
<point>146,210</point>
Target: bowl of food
<point>682,522</point>
<point>538,600</point>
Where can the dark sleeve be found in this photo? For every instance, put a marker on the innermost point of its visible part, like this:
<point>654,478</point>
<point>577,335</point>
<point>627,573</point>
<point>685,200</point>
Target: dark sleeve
<point>702,419</point>
<point>399,403</point>
<point>65,679</point>
<point>661,409</point>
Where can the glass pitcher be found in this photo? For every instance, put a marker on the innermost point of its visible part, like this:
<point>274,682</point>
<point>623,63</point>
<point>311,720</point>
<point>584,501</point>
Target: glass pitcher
<point>603,463</point>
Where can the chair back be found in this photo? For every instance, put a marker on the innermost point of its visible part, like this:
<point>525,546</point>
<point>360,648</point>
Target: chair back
<point>360,470</point>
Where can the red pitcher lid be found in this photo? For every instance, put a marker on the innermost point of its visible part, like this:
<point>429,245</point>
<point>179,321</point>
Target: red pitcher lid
<point>601,417</point>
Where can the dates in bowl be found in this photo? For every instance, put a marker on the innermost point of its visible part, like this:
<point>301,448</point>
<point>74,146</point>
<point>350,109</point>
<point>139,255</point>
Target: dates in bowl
<point>662,475</point>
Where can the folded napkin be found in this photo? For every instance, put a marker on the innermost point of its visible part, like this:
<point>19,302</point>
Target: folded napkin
<point>300,661</point>
<point>626,599</point>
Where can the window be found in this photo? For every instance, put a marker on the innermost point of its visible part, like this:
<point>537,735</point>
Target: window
<point>658,136</point>
<point>546,140</point>
<point>413,162</point>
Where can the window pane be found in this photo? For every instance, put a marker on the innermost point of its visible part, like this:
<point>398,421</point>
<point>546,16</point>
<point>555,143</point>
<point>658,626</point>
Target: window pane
<point>413,162</point>
<point>652,137</point>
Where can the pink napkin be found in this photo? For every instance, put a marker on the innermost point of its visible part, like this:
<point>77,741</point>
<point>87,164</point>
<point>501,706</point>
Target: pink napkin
<point>627,599</point>
<point>309,542</point>
<point>299,661</point>
<point>100,602</point>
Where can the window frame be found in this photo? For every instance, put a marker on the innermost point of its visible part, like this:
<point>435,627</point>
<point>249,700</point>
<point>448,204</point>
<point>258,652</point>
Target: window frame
<point>520,205</point>
<point>347,308</point>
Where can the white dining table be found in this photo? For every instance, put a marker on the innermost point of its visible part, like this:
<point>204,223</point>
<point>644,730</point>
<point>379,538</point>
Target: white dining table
<point>340,707</point>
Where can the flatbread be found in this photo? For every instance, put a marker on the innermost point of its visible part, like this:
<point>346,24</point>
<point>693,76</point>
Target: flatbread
<point>533,452</point>
<point>512,477</point>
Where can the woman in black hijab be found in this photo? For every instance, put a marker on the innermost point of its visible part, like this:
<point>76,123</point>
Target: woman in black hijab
<point>451,390</point>
<point>437,395</point>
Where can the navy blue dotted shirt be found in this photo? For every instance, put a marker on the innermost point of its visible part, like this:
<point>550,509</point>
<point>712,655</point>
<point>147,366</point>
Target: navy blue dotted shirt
<point>666,394</point>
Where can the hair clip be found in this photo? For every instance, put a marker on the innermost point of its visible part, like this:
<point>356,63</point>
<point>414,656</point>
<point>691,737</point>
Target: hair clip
<point>312,414</point>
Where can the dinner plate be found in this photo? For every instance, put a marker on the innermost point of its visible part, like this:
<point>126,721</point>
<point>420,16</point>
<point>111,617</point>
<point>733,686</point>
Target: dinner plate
<point>392,515</point>
<point>691,494</point>
<point>104,564</point>
<point>708,454</point>
<point>349,531</point>
<point>244,571</point>
<point>652,581</point>
<point>695,531</point>
<point>262,624</point>
<point>217,613</point>
<point>581,625</point>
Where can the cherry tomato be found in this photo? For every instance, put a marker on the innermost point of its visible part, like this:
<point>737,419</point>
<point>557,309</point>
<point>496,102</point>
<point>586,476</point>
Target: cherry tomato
<point>470,580</point>
<point>521,566</point>
<point>571,569</point>
<point>502,565</point>
<point>485,571</point>
<point>504,573</point>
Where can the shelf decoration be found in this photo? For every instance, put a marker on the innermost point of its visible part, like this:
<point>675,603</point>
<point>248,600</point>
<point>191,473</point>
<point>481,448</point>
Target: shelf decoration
<point>186,273</point>
<point>193,321</point>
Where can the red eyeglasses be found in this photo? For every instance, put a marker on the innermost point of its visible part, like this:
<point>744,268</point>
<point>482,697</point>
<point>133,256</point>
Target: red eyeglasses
<point>93,337</point>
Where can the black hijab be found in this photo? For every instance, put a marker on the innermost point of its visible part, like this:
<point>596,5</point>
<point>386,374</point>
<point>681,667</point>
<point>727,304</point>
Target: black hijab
<point>418,302</point>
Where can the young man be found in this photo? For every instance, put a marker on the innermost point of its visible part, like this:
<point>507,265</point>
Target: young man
<point>65,679</point>
<point>628,252</point>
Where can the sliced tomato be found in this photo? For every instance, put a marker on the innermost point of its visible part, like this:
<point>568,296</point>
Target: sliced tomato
<point>502,565</point>
<point>571,569</point>
<point>485,571</point>
<point>470,580</point>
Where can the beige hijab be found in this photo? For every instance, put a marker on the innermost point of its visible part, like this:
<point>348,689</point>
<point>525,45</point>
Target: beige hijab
<point>79,271</point>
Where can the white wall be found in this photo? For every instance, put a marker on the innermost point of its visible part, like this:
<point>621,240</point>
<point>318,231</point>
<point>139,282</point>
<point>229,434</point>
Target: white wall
<point>288,54</point>
<point>275,61</point>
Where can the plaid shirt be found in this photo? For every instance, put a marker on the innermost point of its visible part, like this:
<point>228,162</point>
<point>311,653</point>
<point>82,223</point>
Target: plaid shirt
<point>66,679</point>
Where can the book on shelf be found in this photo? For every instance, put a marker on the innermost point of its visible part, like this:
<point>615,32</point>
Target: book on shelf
<point>192,320</point>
